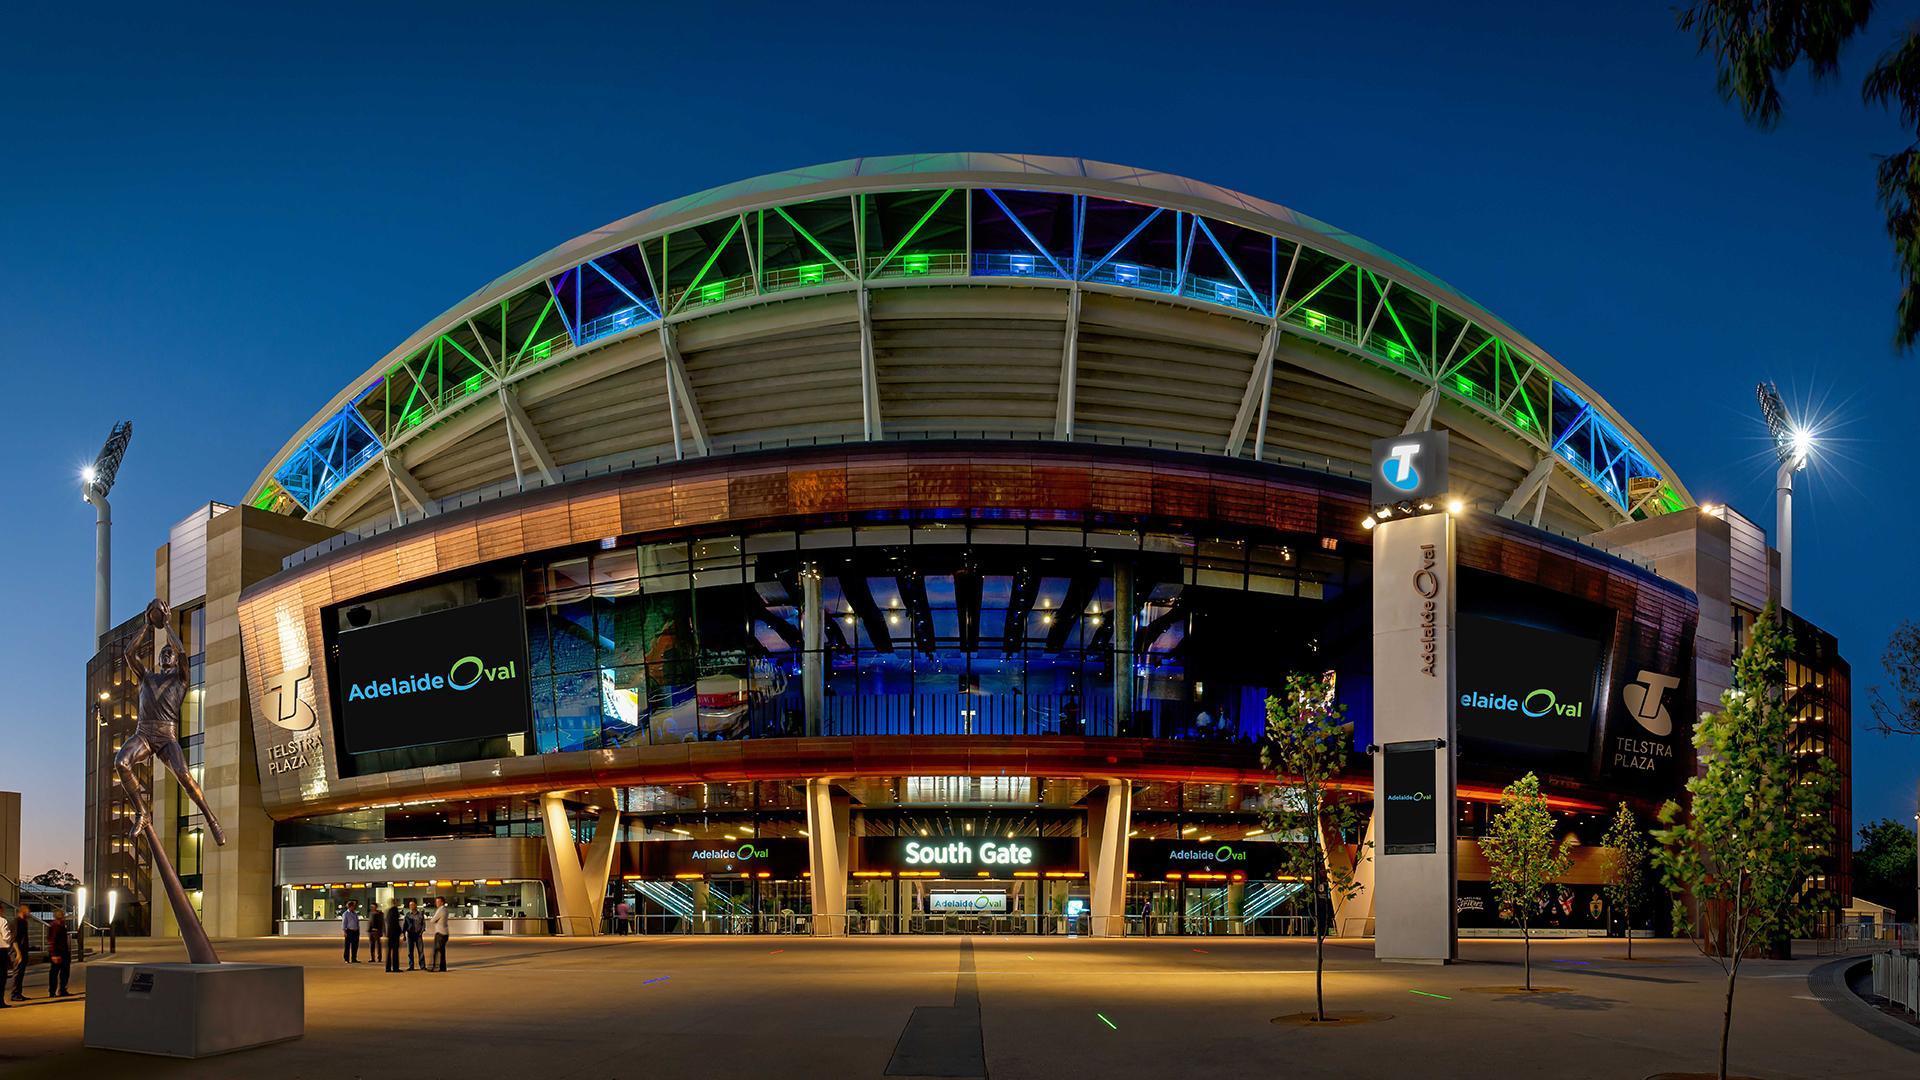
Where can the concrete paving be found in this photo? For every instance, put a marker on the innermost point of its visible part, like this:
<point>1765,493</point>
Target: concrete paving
<point>1043,1007</point>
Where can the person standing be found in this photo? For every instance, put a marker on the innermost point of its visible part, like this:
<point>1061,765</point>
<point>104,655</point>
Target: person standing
<point>376,927</point>
<point>23,944</point>
<point>59,956</point>
<point>6,953</point>
<point>437,925</point>
<point>622,916</point>
<point>416,925</point>
<point>350,930</point>
<point>394,921</point>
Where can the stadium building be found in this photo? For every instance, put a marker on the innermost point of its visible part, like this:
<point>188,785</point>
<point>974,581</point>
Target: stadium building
<point>909,545</point>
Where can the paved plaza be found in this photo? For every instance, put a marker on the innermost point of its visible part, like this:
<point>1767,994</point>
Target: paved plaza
<point>1007,1008</point>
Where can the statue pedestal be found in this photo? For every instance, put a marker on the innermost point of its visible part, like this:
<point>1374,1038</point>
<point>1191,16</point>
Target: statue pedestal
<point>193,1010</point>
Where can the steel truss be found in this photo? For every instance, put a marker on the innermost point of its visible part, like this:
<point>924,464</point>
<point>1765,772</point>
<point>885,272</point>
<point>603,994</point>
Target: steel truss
<point>972,234</point>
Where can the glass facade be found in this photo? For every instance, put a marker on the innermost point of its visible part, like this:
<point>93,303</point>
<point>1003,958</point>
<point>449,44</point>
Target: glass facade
<point>929,628</point>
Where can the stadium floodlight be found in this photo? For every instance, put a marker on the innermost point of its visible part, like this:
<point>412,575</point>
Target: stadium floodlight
<point>95,481</point>
<point>1793,445</point>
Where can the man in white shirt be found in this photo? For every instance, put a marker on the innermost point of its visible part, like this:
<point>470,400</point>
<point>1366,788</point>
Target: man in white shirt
<point>6,952</point>
<point>350,926</point>
<point>437,926</point>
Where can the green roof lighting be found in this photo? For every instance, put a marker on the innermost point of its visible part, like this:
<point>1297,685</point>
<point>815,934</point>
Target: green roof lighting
<point>813,273</point>
<point>1395,352</point>
<point>917,263</point>
<point>1466,386</point>
<point>713,292</point>
<point>1522,421</point>
<point>472,383</point>
<point>543,350</point>
<point>1315,320</point>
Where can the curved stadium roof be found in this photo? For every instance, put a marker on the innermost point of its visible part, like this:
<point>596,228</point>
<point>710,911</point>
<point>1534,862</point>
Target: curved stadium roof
<point>958,295</point>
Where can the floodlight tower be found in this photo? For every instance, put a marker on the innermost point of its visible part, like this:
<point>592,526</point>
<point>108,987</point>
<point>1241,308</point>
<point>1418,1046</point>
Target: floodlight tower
<point>1793,445</point>
<point>95,481</point>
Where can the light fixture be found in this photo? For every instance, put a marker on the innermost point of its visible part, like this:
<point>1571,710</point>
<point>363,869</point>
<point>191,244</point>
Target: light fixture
<point>1455,506</point>
<point>1793,444</point>
<point>1367,523</point>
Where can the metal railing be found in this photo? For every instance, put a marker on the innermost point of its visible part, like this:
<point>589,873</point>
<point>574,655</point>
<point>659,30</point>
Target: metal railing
<point>1896,977</point>
<point>1012,924</point>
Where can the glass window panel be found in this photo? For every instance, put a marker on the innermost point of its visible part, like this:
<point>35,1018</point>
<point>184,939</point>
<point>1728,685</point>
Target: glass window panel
<point>814,539</point>
<point>576,710</point>
<point>572,636</point>
<point>658,559</point>
<point>568,580</point>
<point>616,566</point>
<point>1056,538</point>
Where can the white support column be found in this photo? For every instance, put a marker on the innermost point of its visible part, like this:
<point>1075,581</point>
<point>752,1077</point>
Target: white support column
<point>1353,915</point>
<point>1531,485</point>
<point>576,917</point>
<point>827,843</point>
<point>519,423</point>
<point>1422,417</point>
<point>684,404</point>
<point>870,424</point>
<point>1413,695</point>
<point>1109,819</point>
<point>1069,370</point>
<point>597,866</point>
<point>405,483</point>
<point>1255,398</point>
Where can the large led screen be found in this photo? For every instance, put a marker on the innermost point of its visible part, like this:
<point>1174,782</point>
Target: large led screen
<point>1525,686</point>
<point>447,675</point>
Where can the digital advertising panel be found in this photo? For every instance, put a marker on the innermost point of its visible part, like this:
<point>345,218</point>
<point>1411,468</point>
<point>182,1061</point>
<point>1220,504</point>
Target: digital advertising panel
<point>1525,686</point>
<point>455,674</point>
<point>1408,826</point>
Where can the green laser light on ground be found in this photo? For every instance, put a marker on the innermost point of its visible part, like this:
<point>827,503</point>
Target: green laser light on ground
<point>1109,1023</point>
<point>1423,993</point>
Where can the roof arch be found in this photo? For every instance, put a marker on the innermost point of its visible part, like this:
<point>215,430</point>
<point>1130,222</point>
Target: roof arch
<point>1283,290</point>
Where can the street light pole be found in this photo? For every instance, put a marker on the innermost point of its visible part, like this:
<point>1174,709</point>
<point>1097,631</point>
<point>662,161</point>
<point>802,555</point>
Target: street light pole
<point>95,481</point>
<point>1793,445</point>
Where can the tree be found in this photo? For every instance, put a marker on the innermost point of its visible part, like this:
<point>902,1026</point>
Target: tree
<point>1741,858</point>
<point>1883,866</point>
<point>54,879</point>
<point>1753,42</point>
<point>1899,714</point>
<point>1306,751</point>
<point>1624,863</point>
<point>1524,865</point>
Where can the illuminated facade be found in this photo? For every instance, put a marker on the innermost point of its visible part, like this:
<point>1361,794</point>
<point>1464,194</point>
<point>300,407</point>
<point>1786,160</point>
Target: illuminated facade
<point>908,543</point>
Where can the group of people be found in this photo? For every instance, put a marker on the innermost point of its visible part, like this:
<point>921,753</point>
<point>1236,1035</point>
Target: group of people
<point>13,955</point>
<point>395,925</point>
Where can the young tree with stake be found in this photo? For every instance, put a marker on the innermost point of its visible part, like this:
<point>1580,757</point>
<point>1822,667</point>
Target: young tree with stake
<point>1306,750</point>
<point>1740,858</point>
<point>1524,864</point>
<point>1624,864</point>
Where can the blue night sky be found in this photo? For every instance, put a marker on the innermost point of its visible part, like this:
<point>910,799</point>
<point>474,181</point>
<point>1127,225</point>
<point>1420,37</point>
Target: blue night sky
<point>211,222</point>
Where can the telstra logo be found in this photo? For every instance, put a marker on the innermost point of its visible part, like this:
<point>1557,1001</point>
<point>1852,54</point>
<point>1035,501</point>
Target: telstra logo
<point>1398,468</point>
<point>1646,696</point>
<point>288,709</point>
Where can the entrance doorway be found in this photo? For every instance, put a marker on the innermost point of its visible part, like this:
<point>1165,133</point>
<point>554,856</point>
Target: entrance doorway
<point>884,904</point>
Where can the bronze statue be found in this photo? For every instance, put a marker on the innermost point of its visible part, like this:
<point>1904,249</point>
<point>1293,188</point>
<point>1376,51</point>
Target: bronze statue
<point>163,688</point>
<point>156,731</point>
